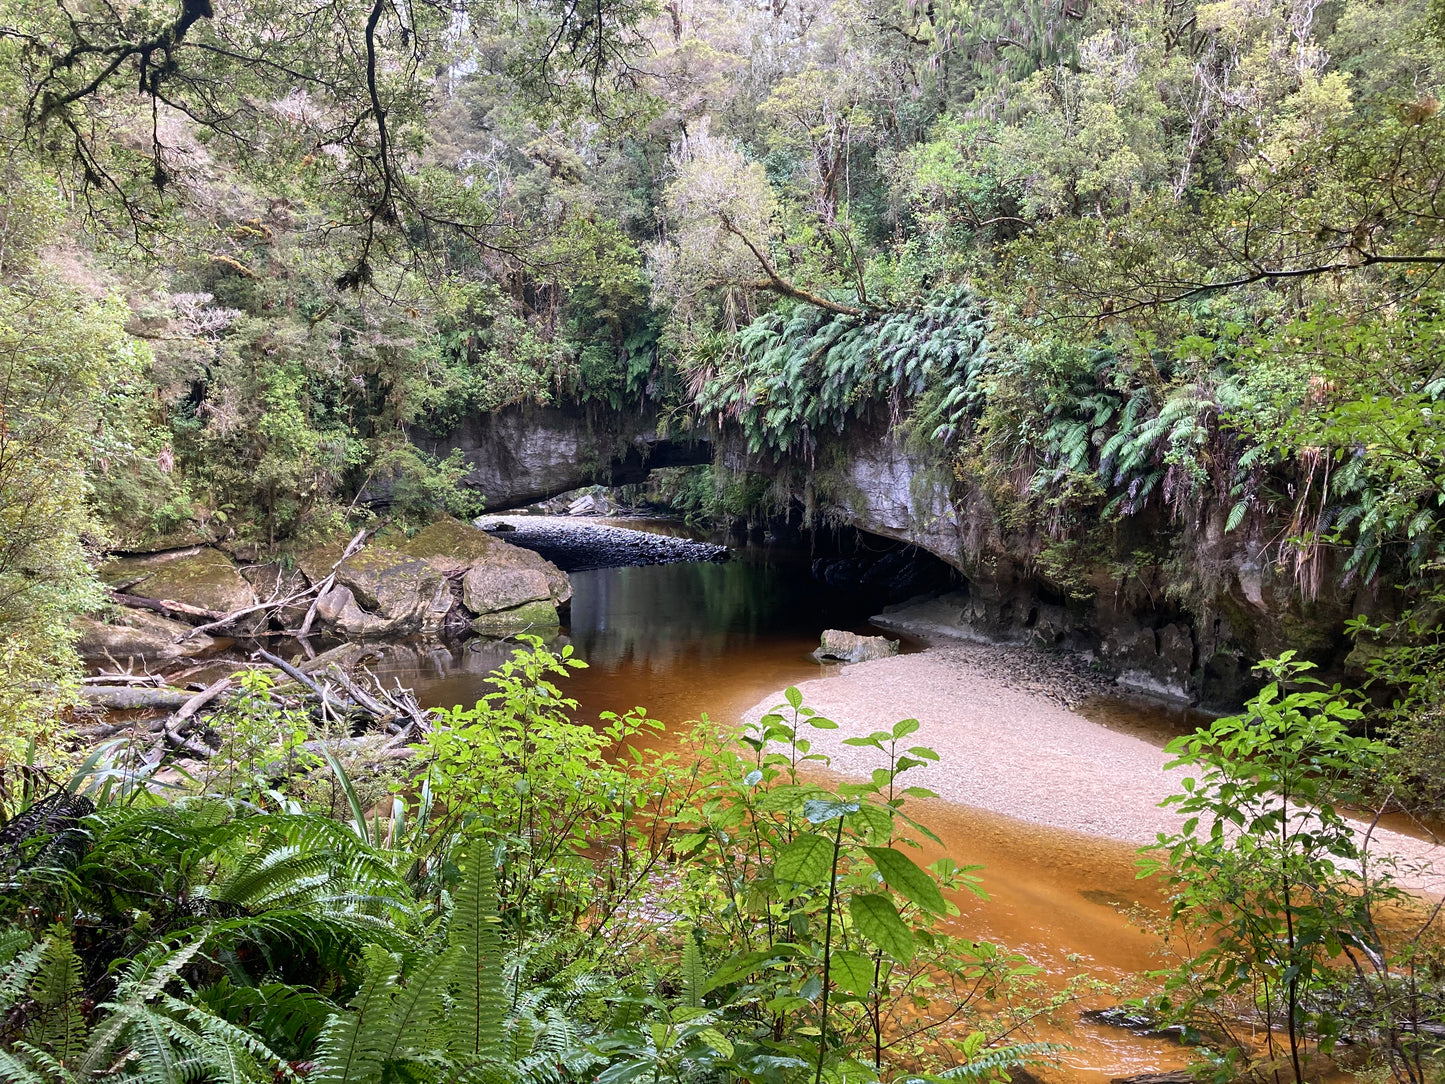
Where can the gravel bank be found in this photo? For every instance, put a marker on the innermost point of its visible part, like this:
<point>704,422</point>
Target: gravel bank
<point>1009,746</point>
<point>575,544</point>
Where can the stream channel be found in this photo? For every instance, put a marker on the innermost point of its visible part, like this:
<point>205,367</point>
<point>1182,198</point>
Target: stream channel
<point>687,638</point>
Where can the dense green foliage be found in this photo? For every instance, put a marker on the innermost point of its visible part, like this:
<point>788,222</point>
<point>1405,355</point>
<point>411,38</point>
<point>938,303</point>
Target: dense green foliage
<point>525,912</point>
<point>1121,275</point>
<point>1279,907</point>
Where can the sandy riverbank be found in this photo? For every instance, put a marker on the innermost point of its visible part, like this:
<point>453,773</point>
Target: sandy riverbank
<point>1020,753</point>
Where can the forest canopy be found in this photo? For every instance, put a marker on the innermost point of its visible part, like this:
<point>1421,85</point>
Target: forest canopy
<point>1106,259</point>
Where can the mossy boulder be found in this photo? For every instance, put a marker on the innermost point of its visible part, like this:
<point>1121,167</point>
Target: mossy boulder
<point>450,545</point>
<point>446,544</point>
<point>487,589</point>
<point>138,634</point>
<point>195,576</point>
<point>531,616</point>
<point>378,592</point>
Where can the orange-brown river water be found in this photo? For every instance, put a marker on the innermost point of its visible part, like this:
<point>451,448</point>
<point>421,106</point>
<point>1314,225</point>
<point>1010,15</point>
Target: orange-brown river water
<point>686,639</point>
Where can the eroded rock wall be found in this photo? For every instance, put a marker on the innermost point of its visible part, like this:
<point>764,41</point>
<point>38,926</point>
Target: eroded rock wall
<point>1188,619</point>
<point>526,454</point>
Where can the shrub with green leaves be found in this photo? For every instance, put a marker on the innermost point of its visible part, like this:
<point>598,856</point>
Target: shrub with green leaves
<point>1282,915</point>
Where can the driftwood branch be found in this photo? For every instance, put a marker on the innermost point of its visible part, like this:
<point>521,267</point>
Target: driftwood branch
<point>166,607</point>
<point>131,697</point>
<point>326,584</point>
<point>235,615</point>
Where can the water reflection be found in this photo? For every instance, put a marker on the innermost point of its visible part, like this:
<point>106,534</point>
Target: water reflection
<point>681,639</point>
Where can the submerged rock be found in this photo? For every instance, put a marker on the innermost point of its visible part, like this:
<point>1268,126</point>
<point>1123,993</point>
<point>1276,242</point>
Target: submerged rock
<point>850,647</point>
<point>138,634</point>
<point>540,617</point>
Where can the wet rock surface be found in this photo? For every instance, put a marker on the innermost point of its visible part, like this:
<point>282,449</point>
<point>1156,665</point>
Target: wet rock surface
<point>196,576</point>
<point>378,592</point>
<point>138,634</point>
<point>575,545</point>
<point>850,647</point>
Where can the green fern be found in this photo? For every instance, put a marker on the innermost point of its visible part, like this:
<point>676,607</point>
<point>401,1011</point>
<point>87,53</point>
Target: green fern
<point>473,934</point>
<point>58,1026</point>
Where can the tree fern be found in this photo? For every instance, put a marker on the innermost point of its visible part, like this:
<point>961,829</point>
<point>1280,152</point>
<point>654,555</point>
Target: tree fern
<point>350,1051</point>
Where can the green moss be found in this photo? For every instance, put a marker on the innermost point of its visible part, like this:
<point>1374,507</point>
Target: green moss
<point>531,615</point>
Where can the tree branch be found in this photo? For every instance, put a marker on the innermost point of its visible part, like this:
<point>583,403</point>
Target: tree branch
<point>779,285</point>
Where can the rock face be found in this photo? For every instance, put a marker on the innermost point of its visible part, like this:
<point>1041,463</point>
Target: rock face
<point>394,588</point>
<point>526,454</point>
<point>850,647</point>
<point>405,586</point>
<point>138,634</point>
<point>487,589</point>
<point>1179,610</point>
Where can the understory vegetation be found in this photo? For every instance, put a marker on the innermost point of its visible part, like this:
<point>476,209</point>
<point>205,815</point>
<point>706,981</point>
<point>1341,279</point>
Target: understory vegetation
<point>534,898</point>
<point>531,897</point>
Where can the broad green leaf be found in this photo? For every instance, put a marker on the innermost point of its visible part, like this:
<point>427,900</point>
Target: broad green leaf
<point>806,860</point>
<point>905,878</point>
<point>716,1040</point>
<point>875,918</point>
<point>905,727</point>
<point>822,810</point>
<point>851,972</point>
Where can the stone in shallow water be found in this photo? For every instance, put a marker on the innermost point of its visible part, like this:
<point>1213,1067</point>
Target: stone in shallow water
<point>540,617</point>
<point>850,647</point>
<point>138,634</point>
<point>487,589</point>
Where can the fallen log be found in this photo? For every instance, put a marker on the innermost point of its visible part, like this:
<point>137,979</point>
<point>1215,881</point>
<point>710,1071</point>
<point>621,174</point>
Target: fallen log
<point>290,671</point>
<point>166,607</point>
<point>325,585</point>
<point>124,679</point>
<point>201,699</point>
<point>130,697</point>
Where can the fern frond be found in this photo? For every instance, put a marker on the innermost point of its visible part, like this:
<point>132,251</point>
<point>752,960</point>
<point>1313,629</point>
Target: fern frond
<point>480,1002</point>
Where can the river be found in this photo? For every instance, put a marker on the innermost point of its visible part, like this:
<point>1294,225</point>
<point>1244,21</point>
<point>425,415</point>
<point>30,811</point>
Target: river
<point>693,638</point>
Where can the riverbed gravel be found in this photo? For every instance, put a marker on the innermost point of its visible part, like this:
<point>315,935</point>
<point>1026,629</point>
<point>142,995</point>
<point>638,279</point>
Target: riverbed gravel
<point>1008,745</point>
<point>576,543</point>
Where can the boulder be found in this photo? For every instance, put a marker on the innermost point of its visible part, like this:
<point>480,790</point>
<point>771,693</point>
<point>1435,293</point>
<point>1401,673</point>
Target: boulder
<point>850,647</point>
<point>196,576</point>
<point>274,580</point>
<point>539,617</point>
<point>138,634</point>
<point>378,592</point>
<point>487,589</point>
<point>449,545</point>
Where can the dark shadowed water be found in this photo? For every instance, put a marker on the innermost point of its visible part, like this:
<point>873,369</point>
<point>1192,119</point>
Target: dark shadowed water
<point>680,639</point>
